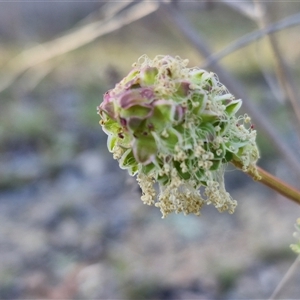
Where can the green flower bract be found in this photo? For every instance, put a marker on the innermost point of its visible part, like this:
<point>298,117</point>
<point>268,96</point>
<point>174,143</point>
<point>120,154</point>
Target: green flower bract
<point>176,126</point>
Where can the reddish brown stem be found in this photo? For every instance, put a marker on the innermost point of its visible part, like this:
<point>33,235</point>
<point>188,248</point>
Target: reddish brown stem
<point>273,182</point>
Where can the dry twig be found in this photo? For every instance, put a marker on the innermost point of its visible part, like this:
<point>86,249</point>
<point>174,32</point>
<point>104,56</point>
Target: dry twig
<point>282,70</point>
<point>249,38</point>
<point>245,8</point>
<point>273,182</point>
<point>291,271</point>
<point>73,40</point>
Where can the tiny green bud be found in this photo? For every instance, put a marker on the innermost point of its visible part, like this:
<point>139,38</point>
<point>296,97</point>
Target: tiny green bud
<point>148,75</point>
<point>296,247</point>
<point>176,126</point>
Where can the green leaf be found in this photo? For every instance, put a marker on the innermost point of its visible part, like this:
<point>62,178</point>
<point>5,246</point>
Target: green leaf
<point>127,160</point>
<point>208,116</point>
<point>144,149</point>
<point>207,128</point>
<point>233,107</point>
<point>221,155</point>
<point>134,124</point>
<point>135,111</point>
<point>224,127</point>
<point>133,170</point>
<point>201,100</point>
<point>172,139</point>
<point>216,164</point>
<point>111,126</point>
<point>111,142</point>
<point>148,75</point>
<point>186,175</point>
<point>162,114</point>
<point>148,168</point>
<point>228,157</point>
<point>133,74</point>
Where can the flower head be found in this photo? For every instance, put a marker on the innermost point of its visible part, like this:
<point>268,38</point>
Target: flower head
<point>176,126</point>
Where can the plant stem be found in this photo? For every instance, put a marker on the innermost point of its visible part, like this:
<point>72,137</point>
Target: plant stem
<point>273,182</point>
<point>291,271</point>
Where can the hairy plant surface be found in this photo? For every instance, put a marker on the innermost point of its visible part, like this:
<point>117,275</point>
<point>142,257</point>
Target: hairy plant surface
<point>177,126</point>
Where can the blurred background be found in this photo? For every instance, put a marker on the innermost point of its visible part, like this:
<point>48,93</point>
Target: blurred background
<point>72,225</point>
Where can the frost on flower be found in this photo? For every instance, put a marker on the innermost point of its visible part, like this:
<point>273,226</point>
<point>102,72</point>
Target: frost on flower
<point>176,126</point>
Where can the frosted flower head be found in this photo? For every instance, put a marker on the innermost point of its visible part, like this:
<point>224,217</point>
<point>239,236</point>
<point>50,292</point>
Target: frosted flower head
<point>176,126</point>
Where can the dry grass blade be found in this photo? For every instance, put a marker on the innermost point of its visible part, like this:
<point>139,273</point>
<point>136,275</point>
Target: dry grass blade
<point>268,75</point>
<point>261,120</point>
<point>247,39</point>
<point>245,8</point>
<point>291,271</point>
<point>33,76</point>
<point>282,70</point>
<point>73,40</point>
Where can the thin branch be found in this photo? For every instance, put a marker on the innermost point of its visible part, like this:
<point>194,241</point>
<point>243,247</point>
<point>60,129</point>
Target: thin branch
<point>282,71</point>
<point>273,182</point>
<point>291,271</point>
<point>232,84</point>
<point>73,40</point>
<point>245,8</point>
<point>249,38</point>
<point>33,76</point>
<point>268,75</point>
